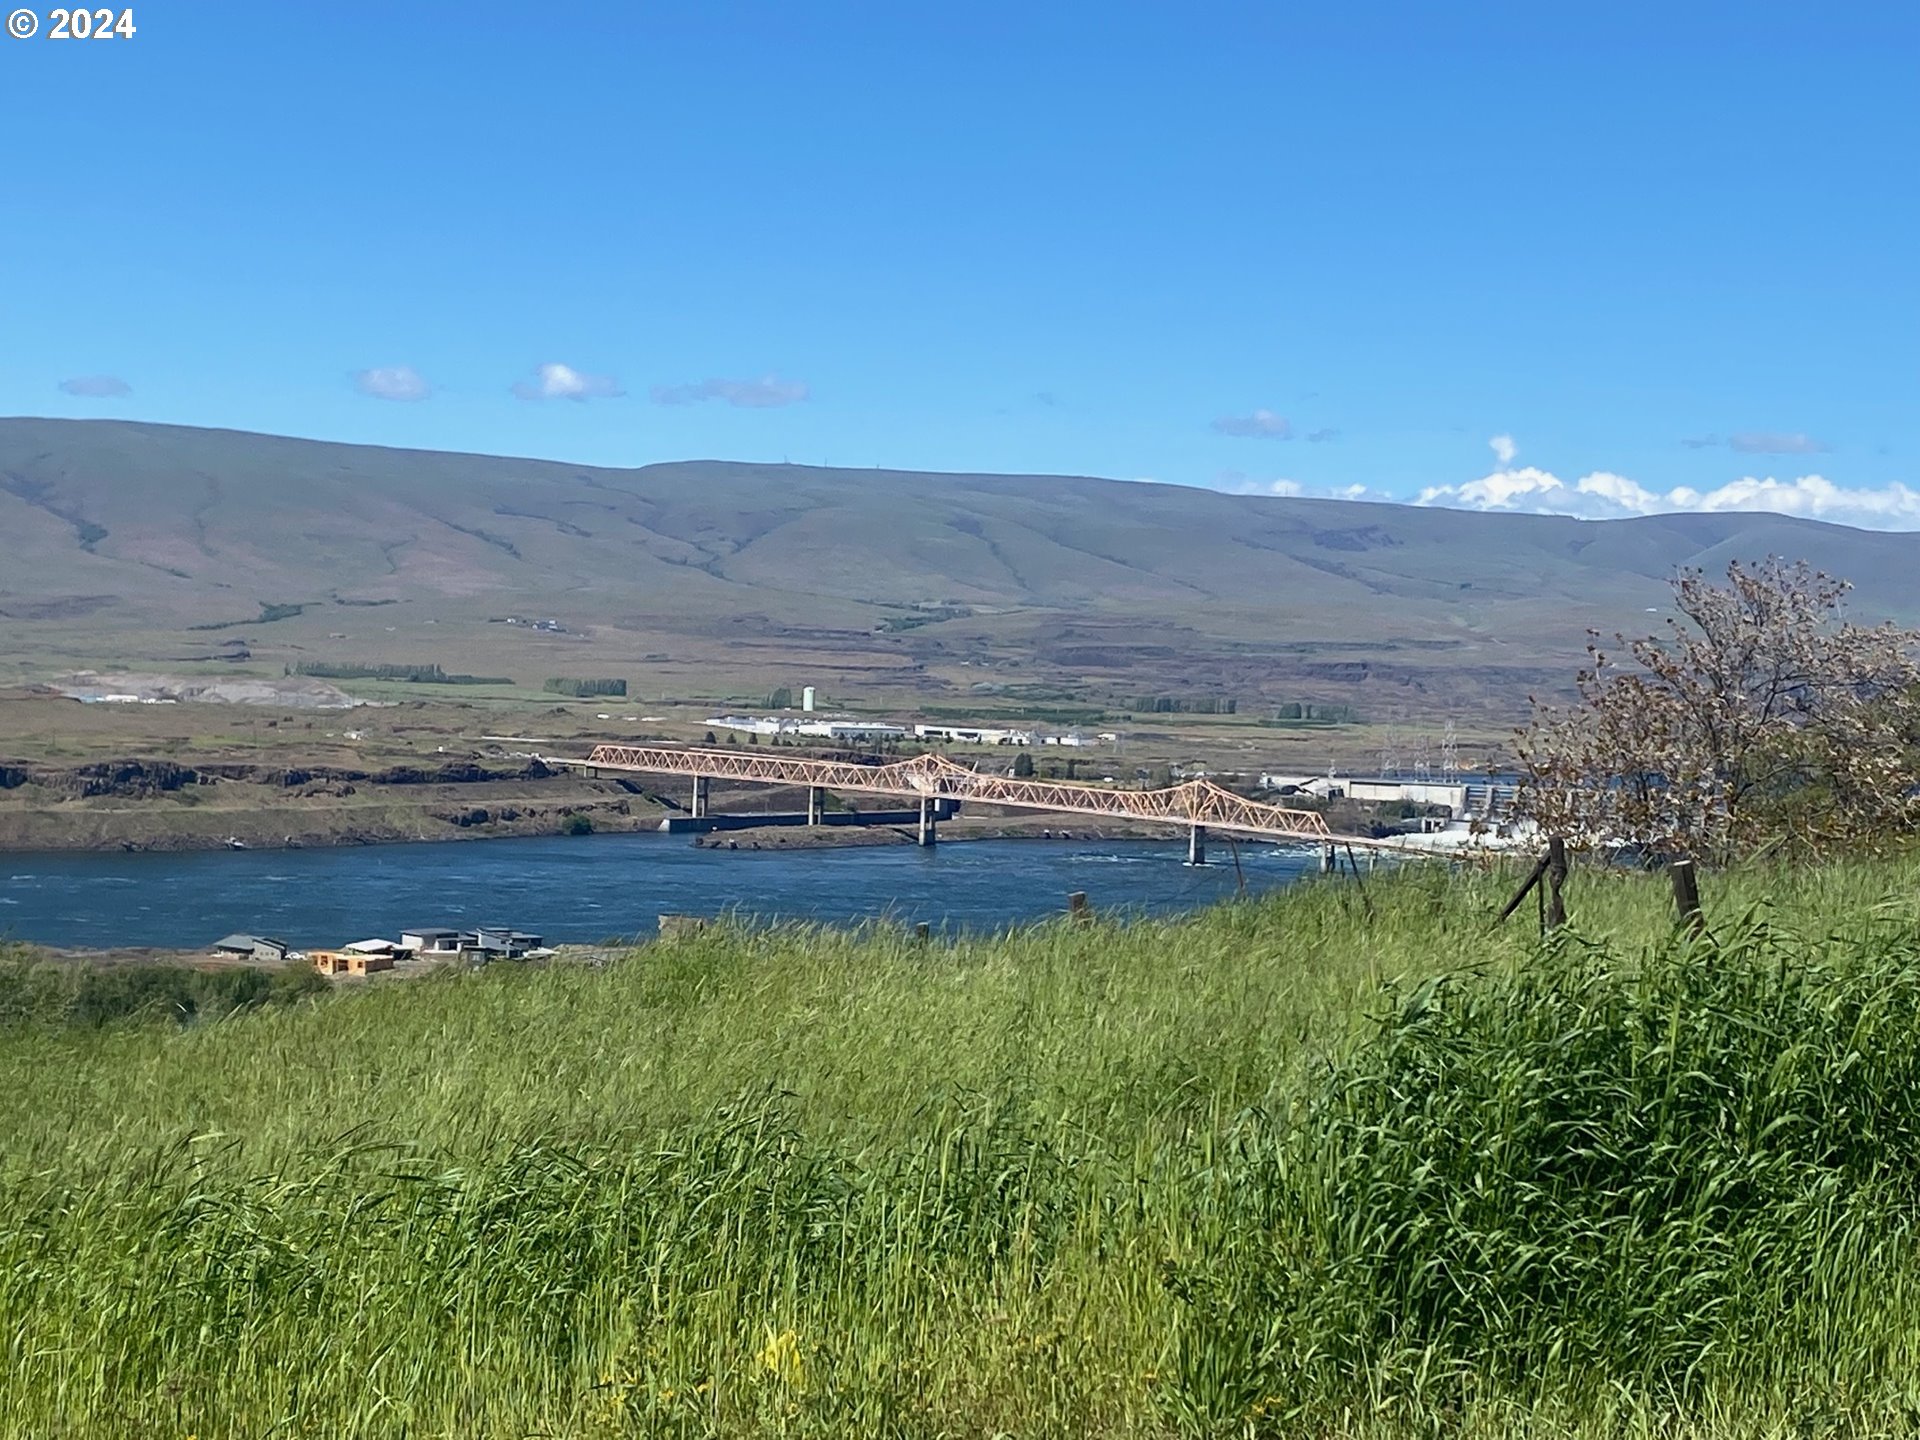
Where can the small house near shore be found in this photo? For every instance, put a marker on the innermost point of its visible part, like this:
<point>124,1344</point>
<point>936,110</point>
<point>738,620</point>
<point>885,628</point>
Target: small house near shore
<point>497,943</point>
<point>349,961</point>
<point>429,940</point>
<point>261,948</point>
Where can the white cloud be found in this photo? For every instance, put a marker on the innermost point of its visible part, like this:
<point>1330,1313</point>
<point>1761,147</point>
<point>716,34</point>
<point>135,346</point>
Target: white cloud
<point>1503,448</point>
<point>1238,482</point>
<point>1260,425</point>
<point>563,382</point>
<point>1603,495</point>
<point>1235,482</point>
<point>97,387</point>
<point>765,393</point>
<point>392,382</point>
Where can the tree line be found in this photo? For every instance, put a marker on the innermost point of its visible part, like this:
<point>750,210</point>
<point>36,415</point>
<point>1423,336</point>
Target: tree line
<point>562,685</point>
<point>1182,705</point>
<point>413,674</point>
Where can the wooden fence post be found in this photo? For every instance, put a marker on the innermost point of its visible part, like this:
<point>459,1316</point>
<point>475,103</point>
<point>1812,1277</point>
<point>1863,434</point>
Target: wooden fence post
<point>1533,879</point>
<point>1556,909</point>
<point>922,930</point>
<point>1686,896</point>
<point>1078,908</point>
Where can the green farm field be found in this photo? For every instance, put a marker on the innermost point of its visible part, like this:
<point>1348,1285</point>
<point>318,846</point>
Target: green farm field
<point>1345,1162</point>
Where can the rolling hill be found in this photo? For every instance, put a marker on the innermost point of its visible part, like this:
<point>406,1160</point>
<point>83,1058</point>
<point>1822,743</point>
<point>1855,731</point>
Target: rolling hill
<point>126,542</point>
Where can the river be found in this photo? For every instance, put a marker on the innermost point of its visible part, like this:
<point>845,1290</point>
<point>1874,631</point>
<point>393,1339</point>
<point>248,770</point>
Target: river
<point>585,889</point>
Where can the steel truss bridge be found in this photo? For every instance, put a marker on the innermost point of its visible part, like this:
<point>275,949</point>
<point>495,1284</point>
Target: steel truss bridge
<point>1196,805</point>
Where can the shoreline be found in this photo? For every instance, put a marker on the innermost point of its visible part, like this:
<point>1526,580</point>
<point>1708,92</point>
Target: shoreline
<point>607,820</point>
<point>347,839</point>
<point>753,837</point>
<point>206,961</point>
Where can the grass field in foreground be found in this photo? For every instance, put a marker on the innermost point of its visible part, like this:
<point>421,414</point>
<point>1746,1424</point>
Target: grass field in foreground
<point>1341,1162</point>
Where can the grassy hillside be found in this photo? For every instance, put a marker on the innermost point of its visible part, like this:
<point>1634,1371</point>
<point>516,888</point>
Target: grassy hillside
<point>115,538</point>
<point>1260,1172</point>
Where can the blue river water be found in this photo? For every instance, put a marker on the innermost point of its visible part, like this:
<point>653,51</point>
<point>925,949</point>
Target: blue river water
<point>590,888</point>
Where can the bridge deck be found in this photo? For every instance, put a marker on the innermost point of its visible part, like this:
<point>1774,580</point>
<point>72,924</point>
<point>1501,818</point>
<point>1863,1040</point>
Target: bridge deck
<point>1196,802</point>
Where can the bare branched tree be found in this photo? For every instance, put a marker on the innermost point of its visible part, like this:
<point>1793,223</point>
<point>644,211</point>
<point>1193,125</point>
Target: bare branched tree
<point>1760,719</point>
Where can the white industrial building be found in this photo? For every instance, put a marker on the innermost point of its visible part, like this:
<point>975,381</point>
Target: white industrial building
<point>1463,797</point>
<point>973,734</point>
<point>995,735</point>
<point>822,729</point>
<point>750,724</point>
<point>877,730</point>
<point>1452,794</point>
<point>850,730</point>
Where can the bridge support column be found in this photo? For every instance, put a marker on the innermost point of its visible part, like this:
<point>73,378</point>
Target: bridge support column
<point>1197,845</point>
<point>1329,861</point>
<point>816,805</point>
<point>928,817</point>
<point>701,804</point>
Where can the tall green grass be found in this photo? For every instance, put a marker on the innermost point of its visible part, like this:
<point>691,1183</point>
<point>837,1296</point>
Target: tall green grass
<point>1342,1162</point>
<point>36,992</point>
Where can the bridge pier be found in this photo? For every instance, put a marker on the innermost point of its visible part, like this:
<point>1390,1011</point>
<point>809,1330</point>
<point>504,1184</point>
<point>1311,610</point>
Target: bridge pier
<point>1197,845</point>
<point>816,805</point>
<point>701,804</point>
<point>929,814</point>
<point>1329,861</point>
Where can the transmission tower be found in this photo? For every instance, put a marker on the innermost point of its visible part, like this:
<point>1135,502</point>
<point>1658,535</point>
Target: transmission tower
<point>1449,754</point>
<point>1422,765</point>
<point>1390,751</point>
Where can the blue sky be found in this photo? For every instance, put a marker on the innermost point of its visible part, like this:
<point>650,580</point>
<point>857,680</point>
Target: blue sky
<point>1316,249</point>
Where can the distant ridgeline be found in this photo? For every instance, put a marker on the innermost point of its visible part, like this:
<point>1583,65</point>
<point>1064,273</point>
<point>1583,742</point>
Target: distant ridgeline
<point>562,685</point>
<point>414,674</point>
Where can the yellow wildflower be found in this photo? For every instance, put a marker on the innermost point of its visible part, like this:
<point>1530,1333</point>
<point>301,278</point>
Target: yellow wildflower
<point>782,1359</point>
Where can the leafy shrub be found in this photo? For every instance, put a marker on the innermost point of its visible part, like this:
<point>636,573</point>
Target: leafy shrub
<point>130,991</point>
<point>44,993</point>
<point>295,982</point>
<point>221,990</point>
